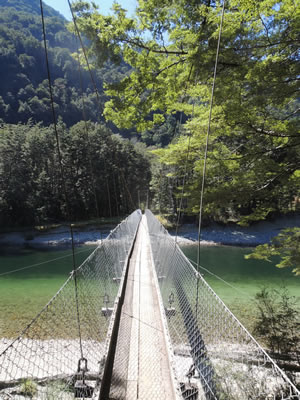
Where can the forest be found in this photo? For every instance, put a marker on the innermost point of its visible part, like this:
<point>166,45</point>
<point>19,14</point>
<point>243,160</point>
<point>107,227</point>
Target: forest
<point>101,170</point>
<point>24,92</point>
<point>146,126</point>
<point>30,182</point>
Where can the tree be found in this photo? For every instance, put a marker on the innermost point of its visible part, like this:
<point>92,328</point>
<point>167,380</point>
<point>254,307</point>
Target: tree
<point>100,171</point>
<point>23,67</point>
<point>286,245</point>
<point>170,47</point>
<point>277,325</point>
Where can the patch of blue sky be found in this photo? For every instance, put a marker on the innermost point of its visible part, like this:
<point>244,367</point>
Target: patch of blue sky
<point>104,6</point>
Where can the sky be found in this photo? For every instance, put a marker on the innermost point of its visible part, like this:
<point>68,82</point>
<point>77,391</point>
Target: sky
<point>105,5</point>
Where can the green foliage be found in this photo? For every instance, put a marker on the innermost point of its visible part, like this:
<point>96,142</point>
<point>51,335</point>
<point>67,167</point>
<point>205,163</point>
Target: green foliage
<point>277,324</point>
<point>31,190</point>
<point>29,388</point>
<point>57,388</point>
<point>24,92</point>
<point>163,191</point>
<point>286,245</point>
<point>161,135</point>
<point>253,155</point>
<point>31,6</point>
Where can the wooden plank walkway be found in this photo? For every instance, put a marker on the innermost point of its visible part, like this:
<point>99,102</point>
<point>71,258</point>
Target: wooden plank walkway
<point>142,363</point>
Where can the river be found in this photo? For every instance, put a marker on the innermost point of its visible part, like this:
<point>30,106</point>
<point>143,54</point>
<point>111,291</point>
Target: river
<point>25,292</point>
<point>237,280</point>
<point>41,273</point>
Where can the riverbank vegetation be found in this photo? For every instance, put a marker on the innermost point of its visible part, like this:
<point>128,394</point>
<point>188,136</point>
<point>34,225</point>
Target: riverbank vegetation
<point>277,326</point>
<point>286,245</point>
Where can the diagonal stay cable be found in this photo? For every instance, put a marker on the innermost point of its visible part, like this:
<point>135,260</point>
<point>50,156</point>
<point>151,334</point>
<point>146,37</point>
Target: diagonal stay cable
<point>98,103</point>
<point>206,149</point>
<point>84,53</point>
<point>88,138</point>
<point>62,174</point>
<point>41,263</point>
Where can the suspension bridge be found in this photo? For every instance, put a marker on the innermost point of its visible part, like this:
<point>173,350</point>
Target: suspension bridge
<point>137,321</point>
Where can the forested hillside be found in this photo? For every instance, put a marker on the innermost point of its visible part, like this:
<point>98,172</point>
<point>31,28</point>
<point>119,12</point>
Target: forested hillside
<point>102,172</point>
<point>24,92</point>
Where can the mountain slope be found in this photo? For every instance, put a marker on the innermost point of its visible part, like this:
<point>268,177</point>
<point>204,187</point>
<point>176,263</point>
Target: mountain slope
<point>24,90</point>
<point>31,6</point>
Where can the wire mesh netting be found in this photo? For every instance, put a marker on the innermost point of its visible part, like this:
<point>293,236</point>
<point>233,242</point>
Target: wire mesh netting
<point>61,353</point>
<point>175,337</point>
<point>141,368</point>
<point>215,356</point>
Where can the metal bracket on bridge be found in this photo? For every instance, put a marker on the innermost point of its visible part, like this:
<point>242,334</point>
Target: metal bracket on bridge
<point>170,311</point>
<point>106,311</point>
<point>189,391</point>
<point>83,388</point>
<point>198,275</point>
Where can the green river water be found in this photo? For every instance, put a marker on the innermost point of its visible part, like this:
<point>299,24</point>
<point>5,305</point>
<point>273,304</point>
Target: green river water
<point>24,293</point>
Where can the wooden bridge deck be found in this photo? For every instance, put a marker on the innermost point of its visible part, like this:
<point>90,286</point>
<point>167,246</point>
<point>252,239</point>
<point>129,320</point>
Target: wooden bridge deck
<point>141,367</point>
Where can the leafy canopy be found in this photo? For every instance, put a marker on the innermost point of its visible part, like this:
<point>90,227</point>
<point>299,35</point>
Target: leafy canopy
<point>286,245</point>
<point>170,47</point>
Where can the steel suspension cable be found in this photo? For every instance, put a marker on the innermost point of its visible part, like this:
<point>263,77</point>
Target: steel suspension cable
<point>62,174</point>
<point>97,94</point>
<point>88,138</point>
<point>206,149</point>
<point>41,263</point>
<point>90,160</point>
<point>97,97</point>
<point>187,158</point>
<point>84,53</point>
